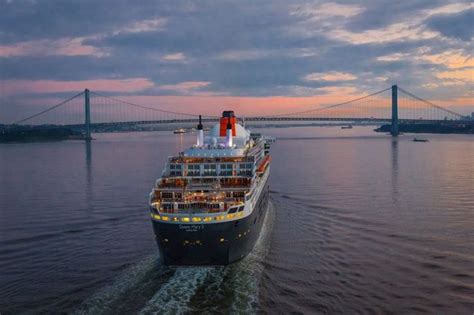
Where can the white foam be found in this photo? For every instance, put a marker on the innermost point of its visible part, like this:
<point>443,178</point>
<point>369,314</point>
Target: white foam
<point>240,280</point>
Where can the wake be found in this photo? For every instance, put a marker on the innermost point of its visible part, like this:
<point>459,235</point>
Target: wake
<point>149,288</point>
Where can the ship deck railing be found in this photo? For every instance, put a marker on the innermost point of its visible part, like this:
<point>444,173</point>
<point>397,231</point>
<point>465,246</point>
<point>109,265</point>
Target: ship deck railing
<point>199,160</point>
<point>202,200</point>
<point>206,187</point>
<point>195,211</point>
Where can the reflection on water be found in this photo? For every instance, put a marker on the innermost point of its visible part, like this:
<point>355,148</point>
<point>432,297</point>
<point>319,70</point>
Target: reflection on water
<point>394,159</point>
<point>362,223</point>
<point>371,224</point>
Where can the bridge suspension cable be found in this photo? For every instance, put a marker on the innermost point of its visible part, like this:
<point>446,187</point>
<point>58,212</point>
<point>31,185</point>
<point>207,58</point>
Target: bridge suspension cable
<point>147,107</point>
<point>430,103</point>
<point>49,109</point>
<point>331,106</point>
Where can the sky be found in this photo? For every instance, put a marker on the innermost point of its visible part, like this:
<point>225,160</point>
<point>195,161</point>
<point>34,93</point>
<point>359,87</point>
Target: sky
<point>253,56</point>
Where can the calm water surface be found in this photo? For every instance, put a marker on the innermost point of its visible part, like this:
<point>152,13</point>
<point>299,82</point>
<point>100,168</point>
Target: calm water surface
<point>358,222</point>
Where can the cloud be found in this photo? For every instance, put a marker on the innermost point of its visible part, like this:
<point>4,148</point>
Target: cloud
<point>47,47</point>
<point>148,25</point>
<point>254,49</point>
<point>394,32</point>
<point>253,54</point>
<point>451,59</point>
<point>415,25</point>
<point>15,87</point>
<point>184,87</point>
<point>174,57</point>
<point>392,57</point>
<point>330,76</point>
<point>459,26</point>
<point>451,8</point>
<point>465,75</point>
<point>77,46</point>
<point>326,10</point>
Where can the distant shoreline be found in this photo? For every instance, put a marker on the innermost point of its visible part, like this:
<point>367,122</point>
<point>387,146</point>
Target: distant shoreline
<point>16,134</point>
<point>431,128</point>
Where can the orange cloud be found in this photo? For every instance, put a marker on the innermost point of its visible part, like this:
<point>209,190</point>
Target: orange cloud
<point>466,75</point>
<point>452,59</point>
<point>330,76</point>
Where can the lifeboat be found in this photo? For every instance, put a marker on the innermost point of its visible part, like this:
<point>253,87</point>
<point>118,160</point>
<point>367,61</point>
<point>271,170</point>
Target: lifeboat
<point>264,164</point>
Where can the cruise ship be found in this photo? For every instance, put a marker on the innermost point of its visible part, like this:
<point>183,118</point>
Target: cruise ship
<point>209,205</point>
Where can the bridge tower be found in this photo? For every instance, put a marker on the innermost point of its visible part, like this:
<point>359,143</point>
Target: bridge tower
<point>394,128</point>
<point>87,108</point>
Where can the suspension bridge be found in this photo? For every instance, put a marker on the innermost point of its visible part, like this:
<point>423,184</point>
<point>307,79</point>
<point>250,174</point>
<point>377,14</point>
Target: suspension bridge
<point>90,110</point>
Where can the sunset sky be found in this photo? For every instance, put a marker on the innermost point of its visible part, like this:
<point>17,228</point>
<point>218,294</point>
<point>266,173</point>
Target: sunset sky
<point>256,56</point>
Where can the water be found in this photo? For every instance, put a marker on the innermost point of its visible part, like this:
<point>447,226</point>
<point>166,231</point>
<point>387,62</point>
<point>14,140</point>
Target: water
<point>357,222</point>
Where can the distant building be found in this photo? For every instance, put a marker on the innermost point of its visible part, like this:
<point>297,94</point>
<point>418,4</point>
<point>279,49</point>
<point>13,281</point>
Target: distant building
<point>472,115</point>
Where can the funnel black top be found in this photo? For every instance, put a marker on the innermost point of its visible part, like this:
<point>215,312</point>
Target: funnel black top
<point>200,123</point>
<point>228,113</point>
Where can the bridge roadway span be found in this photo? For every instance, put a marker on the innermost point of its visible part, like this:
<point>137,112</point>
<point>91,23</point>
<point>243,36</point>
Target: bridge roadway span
<point>263,119</point>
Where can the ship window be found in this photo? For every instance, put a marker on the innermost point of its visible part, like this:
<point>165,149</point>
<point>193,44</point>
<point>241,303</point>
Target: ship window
<point>172,166</point>
<point>166,195</point>
<point>246,166</point>
<point>233,210</point>
<point>241,208</point>
<point>167,206</point>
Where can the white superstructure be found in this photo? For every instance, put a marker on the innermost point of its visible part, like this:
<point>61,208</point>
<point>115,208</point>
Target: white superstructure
<point>218,179</point>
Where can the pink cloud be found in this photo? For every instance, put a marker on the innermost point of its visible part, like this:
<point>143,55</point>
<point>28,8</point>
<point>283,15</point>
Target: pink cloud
<point>184,86</point>
<point>15,87</point>
<point>214,105</point>
<point>46,47</point>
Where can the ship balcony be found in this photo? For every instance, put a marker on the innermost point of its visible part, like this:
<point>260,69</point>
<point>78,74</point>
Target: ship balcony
<point>196,207</point>
<point>173,183</point>
<point>189,216</point>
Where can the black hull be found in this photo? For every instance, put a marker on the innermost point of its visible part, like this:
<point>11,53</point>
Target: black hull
<point>210,244</point>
